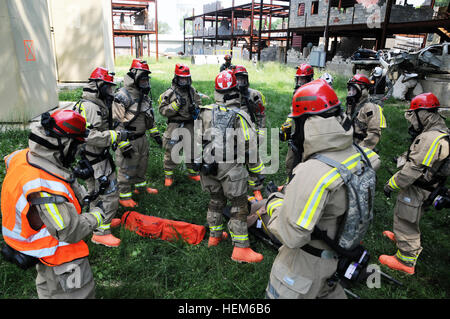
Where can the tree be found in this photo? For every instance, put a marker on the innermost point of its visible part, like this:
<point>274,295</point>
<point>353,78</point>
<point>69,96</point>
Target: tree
<point>163,28</point>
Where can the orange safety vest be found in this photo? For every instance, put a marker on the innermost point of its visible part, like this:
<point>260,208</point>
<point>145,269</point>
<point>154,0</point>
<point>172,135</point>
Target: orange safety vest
<point>21,180</point>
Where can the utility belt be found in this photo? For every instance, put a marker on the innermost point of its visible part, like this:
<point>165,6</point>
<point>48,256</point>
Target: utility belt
<point>16,257</point>
<point>351,263</point>
<point>133,136</point>
<point>103,156</point>
<point>320,253</point>
<point>428,186</point>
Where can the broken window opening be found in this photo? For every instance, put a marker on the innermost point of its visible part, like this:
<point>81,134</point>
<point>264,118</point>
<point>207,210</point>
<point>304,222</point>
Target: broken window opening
<point>301,9</point>
<point>314,7</point>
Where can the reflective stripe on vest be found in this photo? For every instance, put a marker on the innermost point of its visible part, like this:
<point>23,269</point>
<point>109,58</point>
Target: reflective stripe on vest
<point>21,180</point>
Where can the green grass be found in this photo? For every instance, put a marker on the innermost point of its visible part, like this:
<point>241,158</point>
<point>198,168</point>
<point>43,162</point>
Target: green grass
<point>152,268</point>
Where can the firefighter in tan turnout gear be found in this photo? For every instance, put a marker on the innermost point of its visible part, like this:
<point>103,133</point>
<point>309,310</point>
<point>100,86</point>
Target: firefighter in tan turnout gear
<point>421,171</point>
<point>303,75</point>
<point>42,219</point>
<point>316,196</point>
<point>96,107</point>
<point>180,104</point>
<point>223,173</point>
<point>133,109</point>
<point>253,103</point>
<point>366,118</point>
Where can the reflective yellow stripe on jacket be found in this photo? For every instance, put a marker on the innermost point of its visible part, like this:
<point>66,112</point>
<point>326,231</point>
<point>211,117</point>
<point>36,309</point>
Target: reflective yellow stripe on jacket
<point>244,128</point>
<point>392,183</point>
<point>382,118</point>
<point>274,204</point>
<point>83,113</point>
<point>314,199</point>
<point>53,211</point>
<point>432,150</point>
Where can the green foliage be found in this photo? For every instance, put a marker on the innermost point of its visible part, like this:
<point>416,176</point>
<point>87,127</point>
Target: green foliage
<point>152,268</point>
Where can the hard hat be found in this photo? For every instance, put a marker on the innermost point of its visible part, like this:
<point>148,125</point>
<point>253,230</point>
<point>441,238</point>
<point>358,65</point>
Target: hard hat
<point>140,65</point>
<point>182,70</point>
<point>424,101</point>
<point>66,123</point>
<point>239,69</point>
<point>328,78</point>
<point>304,69</point>
<point>225,80</point>
<point>377,71</point>
<point>314,98</point>
<point>102,74</point>
<point>360,79</point>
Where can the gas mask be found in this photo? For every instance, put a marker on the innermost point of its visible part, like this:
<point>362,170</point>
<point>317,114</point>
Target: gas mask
<point>353,95</point>
<point>141,80</point>
<point>242,82</point>
<point>183,82</point>
<point>106,92</point>
<point>301,80</point>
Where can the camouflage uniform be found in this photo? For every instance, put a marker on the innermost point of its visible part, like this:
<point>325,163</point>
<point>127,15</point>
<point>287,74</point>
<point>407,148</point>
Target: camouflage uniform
<point>178,115</point>
<point>321,196</point>
<point>132,171</point>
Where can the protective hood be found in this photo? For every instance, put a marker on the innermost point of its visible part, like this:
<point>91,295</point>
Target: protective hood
<point>363,98</point>
<point>90,93</point>
<point>46,158</point>
<point>129,84</point>
<point>429,120</point>
<point>232,98</point>
<point>325,135</point>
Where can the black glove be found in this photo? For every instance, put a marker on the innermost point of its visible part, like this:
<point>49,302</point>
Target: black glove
<point>271,188</point>
<point>387,190</point>
<point>127,151</point>
<point>84,170</point>
<point>124,135</point>
<point>158,140</point>
<point>260,180</point>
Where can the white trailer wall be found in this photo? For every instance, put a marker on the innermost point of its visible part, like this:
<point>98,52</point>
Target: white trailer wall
<point>28,82</point>
<point>82,37</point>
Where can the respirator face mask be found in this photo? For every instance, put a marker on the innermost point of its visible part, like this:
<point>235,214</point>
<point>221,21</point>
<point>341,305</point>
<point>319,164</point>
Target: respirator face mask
<point>242,82</point>
<point>353,95</point>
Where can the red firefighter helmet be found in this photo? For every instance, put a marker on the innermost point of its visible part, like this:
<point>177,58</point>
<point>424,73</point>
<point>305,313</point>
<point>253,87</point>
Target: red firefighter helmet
<point>227,57</point>
<point>225,80</point>
<point>239,69</point>
<point>68,123</point>
<point>314,98</point>
<point>304,69</point>
<point>140,65</point>
<point>102,74</point>
<point>360,79</point>
<point>424,101</point>
<point>182,70</point>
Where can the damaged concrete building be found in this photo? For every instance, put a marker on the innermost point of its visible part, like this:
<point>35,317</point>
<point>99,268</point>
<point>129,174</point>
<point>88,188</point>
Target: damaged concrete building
<point>335,26</point>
